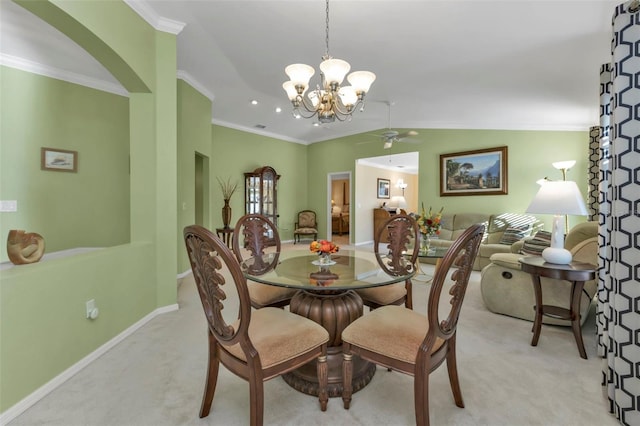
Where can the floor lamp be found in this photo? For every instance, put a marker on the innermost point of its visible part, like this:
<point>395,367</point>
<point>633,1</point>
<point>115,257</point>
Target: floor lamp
<point>558,198</point>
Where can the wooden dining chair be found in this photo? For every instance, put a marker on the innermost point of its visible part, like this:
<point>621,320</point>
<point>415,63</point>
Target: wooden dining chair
<point>407,341</point>
<point>402,232</point>
<point>255,345</point>
<point>253,236</point>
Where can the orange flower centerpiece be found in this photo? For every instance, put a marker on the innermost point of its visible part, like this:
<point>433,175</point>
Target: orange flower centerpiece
<point>429,224</point>
<point>324,249</point>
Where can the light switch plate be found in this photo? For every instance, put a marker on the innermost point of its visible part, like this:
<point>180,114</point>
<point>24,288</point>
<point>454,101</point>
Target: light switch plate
<point>8,206</point>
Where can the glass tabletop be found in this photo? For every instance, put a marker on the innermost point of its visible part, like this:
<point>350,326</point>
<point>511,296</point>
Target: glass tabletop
<point>353,269</point>
<point>432,252</point>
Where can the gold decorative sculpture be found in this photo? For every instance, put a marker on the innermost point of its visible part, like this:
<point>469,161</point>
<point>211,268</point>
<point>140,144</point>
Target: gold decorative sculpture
<point>23,247</point>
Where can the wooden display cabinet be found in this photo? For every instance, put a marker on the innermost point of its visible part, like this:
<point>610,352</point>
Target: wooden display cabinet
<point>261,194</point>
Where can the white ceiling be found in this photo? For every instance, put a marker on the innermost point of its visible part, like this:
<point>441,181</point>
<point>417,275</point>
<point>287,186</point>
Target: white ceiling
<point>504,64</point>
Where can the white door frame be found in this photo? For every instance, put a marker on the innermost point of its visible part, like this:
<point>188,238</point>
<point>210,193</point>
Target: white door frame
<point>330,177</point>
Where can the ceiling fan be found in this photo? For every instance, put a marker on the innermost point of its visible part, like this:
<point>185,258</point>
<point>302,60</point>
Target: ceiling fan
<point>391,136</point>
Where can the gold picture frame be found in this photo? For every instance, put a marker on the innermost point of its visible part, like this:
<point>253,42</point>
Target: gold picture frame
<point>478,172</point>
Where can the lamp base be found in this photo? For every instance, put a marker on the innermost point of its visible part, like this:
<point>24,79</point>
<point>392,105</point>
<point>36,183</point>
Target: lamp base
<point>556,255</point>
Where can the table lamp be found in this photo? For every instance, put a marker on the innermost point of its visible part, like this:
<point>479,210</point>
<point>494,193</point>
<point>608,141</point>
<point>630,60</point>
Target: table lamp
<point>558,198</point>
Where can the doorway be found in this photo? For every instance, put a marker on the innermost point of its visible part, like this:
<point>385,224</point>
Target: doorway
<point>339,223</point>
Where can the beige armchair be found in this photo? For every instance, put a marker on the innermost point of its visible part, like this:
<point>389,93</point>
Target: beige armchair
<point>507,290</point>
<point>305,225</point>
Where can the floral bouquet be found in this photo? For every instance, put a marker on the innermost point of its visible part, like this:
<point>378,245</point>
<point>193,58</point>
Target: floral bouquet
<point>323,247</point>
<point>429,224</point>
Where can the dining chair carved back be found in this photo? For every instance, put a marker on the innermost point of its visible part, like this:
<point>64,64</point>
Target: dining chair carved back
<point>403,232</point>
<point>407,341</point>
<point>254,236</point>
<point>255,345</point>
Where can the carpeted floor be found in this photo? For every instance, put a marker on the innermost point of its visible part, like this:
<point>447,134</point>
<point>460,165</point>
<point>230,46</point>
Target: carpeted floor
<point>156,377</point>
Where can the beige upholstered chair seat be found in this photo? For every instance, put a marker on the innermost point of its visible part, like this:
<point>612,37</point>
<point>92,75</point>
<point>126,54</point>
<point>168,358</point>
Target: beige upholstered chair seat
<point>393,331</point>
<point>385,295</point>
<point>279,336</point>
<point>267,295</point>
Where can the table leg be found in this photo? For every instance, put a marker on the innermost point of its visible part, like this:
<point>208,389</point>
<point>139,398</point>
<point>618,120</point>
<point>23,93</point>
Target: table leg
<point>537,323</point>
<point>334,312</point>
<point>576,295</point>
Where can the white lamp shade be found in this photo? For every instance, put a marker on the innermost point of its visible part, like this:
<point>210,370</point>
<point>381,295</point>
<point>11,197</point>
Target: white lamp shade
<point>558,197</point>
<point>334,70</point>
<point>398,201</point>
<point>361,81</point>
<point>348,96</point>
<point>290,88</point>
<point>300,74</point>
<point>564,164</point>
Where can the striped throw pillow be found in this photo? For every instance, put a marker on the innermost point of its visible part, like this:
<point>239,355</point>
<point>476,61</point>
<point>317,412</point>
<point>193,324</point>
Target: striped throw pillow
<point>537,244</point>
<point>513,234</point>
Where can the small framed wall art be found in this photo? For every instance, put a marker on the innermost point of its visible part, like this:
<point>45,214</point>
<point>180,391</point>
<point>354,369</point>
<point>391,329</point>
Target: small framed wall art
<point>384,188</point>
<point>59,160</point>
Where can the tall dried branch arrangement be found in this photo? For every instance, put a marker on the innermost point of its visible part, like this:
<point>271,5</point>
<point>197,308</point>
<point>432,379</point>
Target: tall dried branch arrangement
<point>227,188</point>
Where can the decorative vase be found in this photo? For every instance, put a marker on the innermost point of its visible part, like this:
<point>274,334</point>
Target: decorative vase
<point>325,258</point>
<point>226,214</point>
<point>425,243</point>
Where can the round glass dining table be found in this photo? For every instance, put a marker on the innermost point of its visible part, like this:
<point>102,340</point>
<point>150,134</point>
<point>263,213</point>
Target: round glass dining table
<point>326,295</point>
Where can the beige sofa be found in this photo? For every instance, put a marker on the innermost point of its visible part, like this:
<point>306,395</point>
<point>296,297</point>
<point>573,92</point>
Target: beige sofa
<point>507,290</point>
<point>453,225</point>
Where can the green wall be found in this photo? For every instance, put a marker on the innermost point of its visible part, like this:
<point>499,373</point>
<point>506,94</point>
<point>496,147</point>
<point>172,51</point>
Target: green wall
<point>237,152</point>
<point>530,154</point>
<point>43,327</point>
<point>42,112</point>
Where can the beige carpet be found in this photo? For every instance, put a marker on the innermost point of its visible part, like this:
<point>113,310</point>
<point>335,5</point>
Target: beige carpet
<point>156,377</point>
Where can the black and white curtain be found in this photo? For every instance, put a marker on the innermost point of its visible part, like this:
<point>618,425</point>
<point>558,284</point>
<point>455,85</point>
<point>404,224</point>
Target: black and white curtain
<point>619,217</point>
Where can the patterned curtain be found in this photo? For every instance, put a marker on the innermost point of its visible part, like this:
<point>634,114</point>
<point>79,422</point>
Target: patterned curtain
<point>594,173</point>
<point>619,280</point>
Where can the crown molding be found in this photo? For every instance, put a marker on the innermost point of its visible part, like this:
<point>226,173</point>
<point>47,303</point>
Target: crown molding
<point>142,8</point>
<point>258,132</point>
<point>58,74</point>
<point>188,78</point>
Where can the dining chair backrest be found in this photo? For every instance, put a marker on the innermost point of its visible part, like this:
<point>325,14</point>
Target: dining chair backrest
<point>460,256</point>
<point>403,233</point>
<point>252,235</point>
<point>208,255</point>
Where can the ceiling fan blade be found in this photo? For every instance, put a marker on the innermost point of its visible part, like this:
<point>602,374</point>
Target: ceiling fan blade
<point>407,134</point>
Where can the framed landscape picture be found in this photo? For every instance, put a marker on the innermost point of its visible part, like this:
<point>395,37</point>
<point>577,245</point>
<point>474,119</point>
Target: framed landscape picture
<point>59,160</point>
<point>384,190</point>
<point>478,172</point>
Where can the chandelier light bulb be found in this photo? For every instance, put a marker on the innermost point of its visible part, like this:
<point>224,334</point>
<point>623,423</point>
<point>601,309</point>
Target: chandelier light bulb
<point>334,71</point>
<point>361,81</point>
<point>300,74</point>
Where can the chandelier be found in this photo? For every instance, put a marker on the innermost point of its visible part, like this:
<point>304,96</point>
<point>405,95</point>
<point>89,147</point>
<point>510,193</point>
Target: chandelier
<point>329,100</point>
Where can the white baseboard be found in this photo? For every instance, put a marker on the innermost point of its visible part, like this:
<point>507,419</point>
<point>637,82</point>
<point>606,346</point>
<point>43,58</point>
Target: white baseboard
<point>41,392</point>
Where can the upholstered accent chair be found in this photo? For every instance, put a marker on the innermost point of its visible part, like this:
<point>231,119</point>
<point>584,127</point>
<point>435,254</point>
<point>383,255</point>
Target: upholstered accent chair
<point>507,290</point>
<point>305,225</point>
<point>402,233</point>
<point>256,236</point>
<point>409,342</point>
<point>255,345</point>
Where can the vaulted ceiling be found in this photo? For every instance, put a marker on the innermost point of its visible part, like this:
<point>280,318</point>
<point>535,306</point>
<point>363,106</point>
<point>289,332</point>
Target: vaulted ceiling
<point>505,64</point>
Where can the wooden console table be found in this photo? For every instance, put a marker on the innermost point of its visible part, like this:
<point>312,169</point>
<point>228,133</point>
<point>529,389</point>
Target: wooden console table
<point>577,273</point>
<point>225,234</point>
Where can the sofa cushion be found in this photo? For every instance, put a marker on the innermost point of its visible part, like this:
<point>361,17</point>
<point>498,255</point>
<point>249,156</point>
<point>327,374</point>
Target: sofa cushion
<point>513,234</point>
<point>507,260</point>
<point>537,244</point>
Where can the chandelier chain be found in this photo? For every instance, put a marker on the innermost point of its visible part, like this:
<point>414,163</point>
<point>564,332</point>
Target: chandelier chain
<point>326,39</point>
